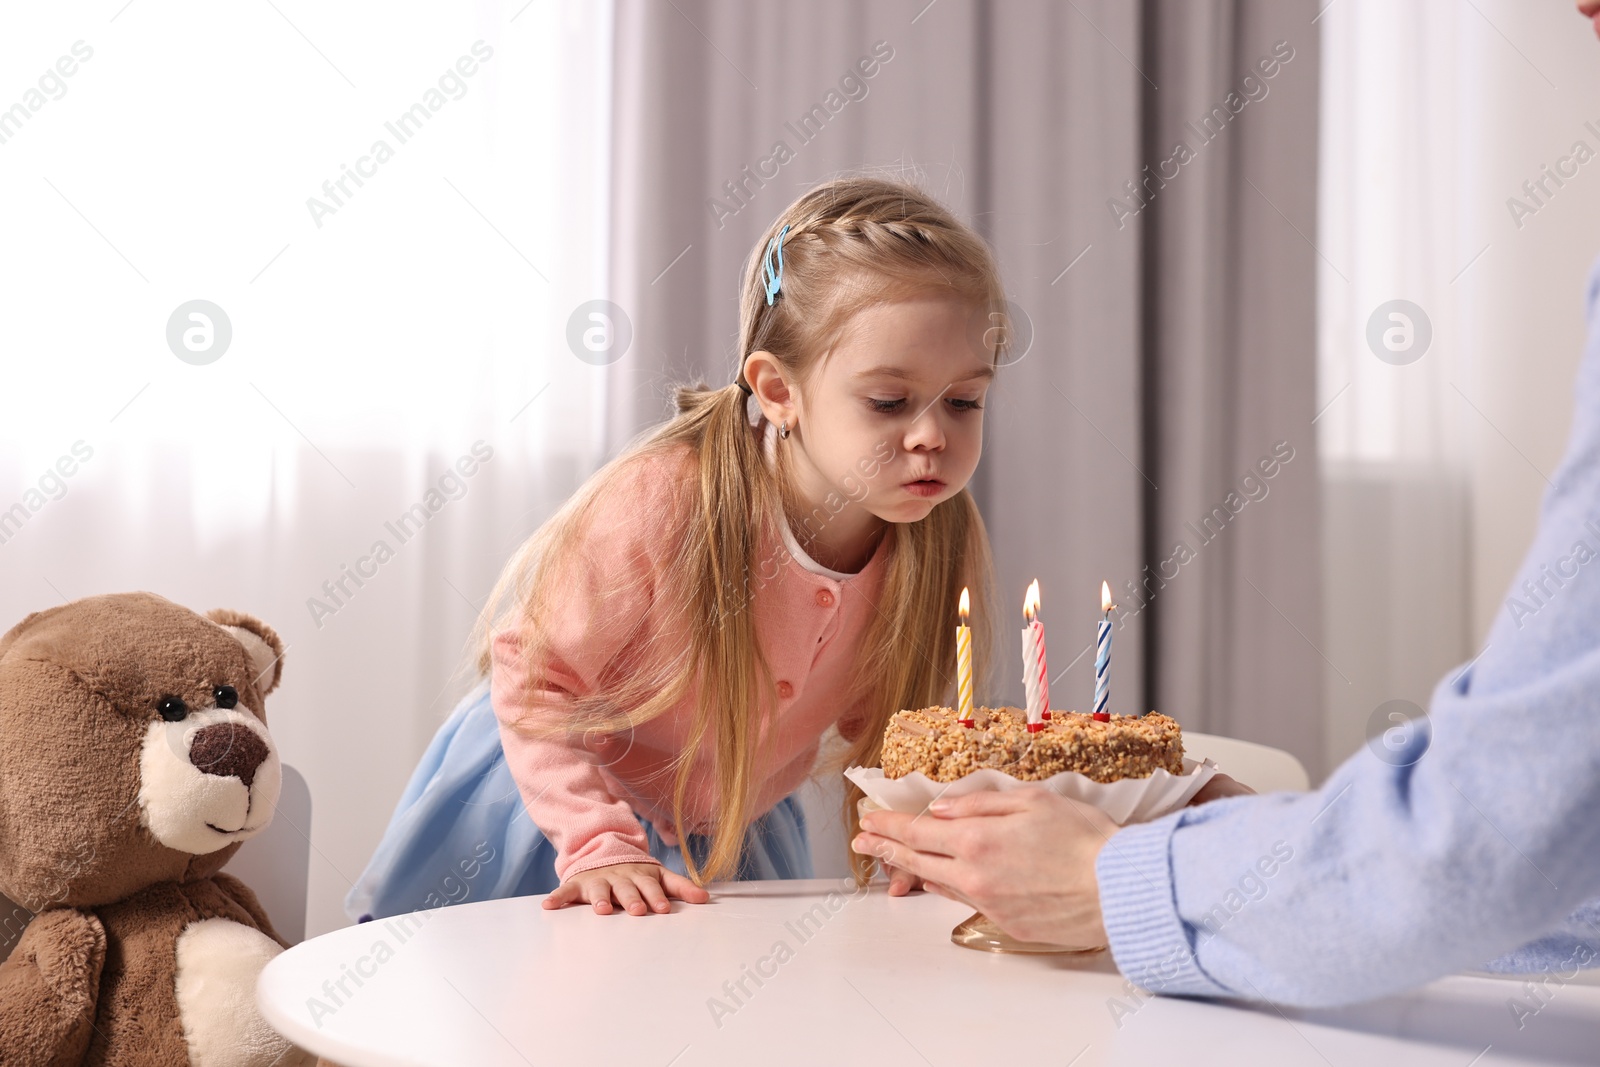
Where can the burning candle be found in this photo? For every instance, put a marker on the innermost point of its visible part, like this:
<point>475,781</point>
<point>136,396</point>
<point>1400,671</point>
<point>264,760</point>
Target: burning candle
<point>1035,674</point>
<point>1102,657</point>
<point>964,662</point>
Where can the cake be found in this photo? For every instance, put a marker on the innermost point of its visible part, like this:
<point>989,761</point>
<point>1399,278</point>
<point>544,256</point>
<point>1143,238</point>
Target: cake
<point>933,741</point>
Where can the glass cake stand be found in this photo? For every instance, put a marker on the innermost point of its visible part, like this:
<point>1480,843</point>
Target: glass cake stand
<point>979,932</point>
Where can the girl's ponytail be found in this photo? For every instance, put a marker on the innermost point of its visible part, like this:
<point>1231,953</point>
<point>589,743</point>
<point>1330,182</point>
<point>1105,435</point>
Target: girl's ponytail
<point>724,538</point>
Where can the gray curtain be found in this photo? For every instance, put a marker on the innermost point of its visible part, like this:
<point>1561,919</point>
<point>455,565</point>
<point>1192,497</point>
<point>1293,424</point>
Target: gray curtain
<point>1172,317</point>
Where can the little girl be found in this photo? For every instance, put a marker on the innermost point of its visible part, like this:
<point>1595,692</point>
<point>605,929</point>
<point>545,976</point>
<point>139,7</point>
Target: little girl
<point>662,658</point>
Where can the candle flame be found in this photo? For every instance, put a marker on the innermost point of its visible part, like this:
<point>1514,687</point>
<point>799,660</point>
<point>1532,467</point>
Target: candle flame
<point>1030,605</point>
<point>966,603</point>
<point>1105,597</point>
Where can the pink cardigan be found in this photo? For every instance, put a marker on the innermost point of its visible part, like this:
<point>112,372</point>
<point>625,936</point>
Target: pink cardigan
<point>584,796</point>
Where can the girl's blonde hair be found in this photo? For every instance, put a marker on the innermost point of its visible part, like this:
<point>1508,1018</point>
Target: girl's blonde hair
<point>852,242</point>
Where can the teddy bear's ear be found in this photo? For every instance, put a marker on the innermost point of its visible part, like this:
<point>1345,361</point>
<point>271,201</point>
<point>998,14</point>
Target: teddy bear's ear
<point>260,642</point>
<point>12,634</point>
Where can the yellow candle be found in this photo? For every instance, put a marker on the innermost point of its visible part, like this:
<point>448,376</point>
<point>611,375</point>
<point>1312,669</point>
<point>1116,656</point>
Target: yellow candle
<point>964,662</point>
<point>1035,674</point>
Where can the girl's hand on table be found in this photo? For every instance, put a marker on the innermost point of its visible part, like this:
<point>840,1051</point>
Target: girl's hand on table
<point>1024,857</point>
<point>639,888</point>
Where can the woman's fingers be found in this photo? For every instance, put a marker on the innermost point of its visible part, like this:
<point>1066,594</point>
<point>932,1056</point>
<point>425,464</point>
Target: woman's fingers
<point>991,802</point>
<point>941,830</point>
<point>919,832</point>
<point>898,855</point>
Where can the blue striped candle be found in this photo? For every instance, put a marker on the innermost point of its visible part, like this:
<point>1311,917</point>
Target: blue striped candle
<point>1102,654</point>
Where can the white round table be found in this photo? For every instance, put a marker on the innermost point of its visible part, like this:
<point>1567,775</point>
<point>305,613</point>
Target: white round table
<point>816,972</point>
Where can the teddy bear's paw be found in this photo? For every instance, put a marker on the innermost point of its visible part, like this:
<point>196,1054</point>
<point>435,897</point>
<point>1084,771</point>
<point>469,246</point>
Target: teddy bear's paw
<point>48,989</point>
<point>219,962</point>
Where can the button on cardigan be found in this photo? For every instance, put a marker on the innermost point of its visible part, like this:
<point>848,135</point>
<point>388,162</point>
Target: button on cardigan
<point>587,800</point>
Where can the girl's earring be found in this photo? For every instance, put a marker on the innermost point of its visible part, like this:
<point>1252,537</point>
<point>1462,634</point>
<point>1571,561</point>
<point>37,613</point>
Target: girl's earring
<point>783,430</point>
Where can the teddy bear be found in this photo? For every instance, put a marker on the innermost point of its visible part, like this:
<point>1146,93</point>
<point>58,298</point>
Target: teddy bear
<point>134,761</point>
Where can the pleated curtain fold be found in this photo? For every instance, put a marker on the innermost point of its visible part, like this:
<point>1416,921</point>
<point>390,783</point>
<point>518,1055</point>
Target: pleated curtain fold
<point>1146,173</point>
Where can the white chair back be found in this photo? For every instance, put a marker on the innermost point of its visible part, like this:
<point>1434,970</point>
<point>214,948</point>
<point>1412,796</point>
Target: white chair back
<point>276,863</point>
<point>1262,768</point>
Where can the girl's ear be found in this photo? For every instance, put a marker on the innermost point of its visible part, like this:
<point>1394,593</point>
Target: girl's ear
<point>767,383</point>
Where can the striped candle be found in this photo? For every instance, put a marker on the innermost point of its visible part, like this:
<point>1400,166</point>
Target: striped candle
<point>1102,656</point>
<point>1035,672</point>
<point>964,663</point>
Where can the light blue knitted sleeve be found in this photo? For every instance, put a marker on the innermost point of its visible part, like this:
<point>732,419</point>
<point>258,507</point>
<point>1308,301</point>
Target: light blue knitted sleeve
<point>1477,841</point>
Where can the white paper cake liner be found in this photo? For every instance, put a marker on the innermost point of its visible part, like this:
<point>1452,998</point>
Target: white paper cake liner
<point>1125,800</point>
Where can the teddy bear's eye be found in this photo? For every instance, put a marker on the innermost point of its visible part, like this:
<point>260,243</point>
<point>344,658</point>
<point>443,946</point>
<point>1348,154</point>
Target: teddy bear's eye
<point>172,709</point>
<point>226,696</point>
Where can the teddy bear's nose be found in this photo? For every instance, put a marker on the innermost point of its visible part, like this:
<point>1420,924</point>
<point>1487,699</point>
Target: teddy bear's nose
<point>228,750</point>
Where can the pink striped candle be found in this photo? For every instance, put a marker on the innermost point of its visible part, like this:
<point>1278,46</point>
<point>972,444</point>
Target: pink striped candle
<point>964,663</point>
<point>1035,672</point>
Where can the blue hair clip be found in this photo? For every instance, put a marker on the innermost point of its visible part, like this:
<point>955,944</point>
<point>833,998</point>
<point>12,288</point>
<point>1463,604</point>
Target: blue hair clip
<point>774,279</point>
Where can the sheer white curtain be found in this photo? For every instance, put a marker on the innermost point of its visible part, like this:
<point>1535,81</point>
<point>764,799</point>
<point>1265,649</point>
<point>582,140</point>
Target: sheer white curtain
<point>1396,510</point>
<point>389,330</point>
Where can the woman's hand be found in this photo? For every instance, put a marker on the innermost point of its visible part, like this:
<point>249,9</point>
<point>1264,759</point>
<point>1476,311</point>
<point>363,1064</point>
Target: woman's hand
<point>1220,784</point>
<point>1024,857</point>
<point>640,888</point>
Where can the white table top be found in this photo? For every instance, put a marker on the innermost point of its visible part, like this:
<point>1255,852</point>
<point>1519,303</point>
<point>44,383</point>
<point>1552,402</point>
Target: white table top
<point>864,979</point>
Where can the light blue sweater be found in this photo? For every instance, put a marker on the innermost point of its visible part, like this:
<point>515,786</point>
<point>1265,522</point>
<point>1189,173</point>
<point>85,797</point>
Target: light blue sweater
<point>1483,845</point>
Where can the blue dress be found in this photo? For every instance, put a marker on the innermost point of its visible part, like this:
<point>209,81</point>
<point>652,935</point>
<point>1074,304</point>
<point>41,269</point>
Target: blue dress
<point>460,832</point>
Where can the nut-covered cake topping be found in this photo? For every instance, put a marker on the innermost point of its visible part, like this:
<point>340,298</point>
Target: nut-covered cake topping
<point>933,741</point>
